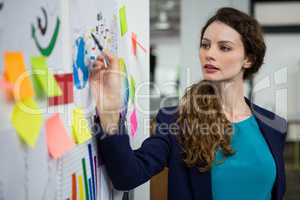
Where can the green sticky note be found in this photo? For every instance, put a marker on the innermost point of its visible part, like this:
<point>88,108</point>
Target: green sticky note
<point>43,79</point>
<point>27,120</point>
<point>132,87</point>
<point>123,20</point>
<point>38,88</point>
<point>81,131</point>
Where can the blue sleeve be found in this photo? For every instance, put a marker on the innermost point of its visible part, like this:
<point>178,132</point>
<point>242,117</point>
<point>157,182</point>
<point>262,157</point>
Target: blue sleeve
<point>129,168</point>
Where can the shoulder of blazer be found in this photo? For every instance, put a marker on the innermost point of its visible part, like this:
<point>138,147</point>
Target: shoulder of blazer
<point>167,114</point>
<point>269,118</point>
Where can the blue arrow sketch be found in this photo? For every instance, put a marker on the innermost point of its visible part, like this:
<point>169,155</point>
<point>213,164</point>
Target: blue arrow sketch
<point>80,69</point>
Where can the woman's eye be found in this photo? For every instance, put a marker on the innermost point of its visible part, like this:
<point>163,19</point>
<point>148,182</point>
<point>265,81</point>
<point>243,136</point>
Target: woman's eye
<point>205,46</point>
<point>223,48</point>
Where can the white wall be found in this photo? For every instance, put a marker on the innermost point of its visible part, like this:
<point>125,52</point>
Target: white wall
<point>277,83</point>
<point>168,54</point>
<point>194,14</point>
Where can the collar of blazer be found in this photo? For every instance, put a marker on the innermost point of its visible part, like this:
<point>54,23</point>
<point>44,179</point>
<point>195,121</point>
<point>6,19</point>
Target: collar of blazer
<point>273,129</point>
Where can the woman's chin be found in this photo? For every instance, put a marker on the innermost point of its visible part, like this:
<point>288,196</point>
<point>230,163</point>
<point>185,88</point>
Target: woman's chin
<point>211,77</point>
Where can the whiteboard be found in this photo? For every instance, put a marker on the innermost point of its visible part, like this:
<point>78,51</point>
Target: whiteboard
<point>31,171</point>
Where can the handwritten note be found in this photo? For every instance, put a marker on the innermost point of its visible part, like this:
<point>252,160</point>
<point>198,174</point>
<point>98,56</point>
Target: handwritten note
<point>44,80</point>
<point>27,120</point>
<point>57,138</point>
<point>80,127</point>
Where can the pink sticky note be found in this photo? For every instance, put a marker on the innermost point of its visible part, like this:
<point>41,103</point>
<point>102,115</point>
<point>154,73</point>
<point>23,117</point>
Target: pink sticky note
<point>133,42</point>
<point>57,138</point>
<point>4,85</point>
<point>7,89</point>
<point>133,122</point>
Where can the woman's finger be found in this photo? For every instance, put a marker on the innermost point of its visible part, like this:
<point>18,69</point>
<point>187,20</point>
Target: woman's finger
<point>100,57</point>
<point>98,64</point>
<point>109,56</point>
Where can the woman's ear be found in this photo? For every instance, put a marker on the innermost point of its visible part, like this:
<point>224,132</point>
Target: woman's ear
<point>247,62</point>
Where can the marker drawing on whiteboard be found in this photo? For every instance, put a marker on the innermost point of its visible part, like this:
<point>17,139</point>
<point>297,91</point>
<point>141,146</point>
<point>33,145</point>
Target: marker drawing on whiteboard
<point>106,62</point>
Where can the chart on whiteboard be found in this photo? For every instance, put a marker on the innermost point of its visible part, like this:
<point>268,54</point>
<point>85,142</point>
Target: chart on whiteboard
<point>82,175</point>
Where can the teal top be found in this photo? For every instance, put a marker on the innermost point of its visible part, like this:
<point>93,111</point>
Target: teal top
<point>249,173</point>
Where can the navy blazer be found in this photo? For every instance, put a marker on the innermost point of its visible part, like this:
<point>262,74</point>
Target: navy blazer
<point>129,168</point>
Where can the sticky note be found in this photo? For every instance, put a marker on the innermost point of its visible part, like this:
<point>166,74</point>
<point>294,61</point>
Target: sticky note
<point>65,82</point>
<point>122,66</point>
<point>15,73</point>
<point>58,140</point>
<point>133,123</point>
<point>38,88</point>
<point>4,85</point>
<point>7,89</point>
<point>132,88</point>
<point>27,120</point>
<point>80,128</point>
<point>44,79</point>
<point>133,42</point>
<point>123,20</point>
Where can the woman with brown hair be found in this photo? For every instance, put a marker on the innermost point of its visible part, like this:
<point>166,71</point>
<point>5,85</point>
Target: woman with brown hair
<point>216,143</point>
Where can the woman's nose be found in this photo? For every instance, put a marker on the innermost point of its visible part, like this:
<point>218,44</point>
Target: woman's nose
<point>210,54</point>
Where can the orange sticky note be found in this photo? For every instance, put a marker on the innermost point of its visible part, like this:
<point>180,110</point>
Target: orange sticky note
<point>15,73</point>
<point>57,138</point>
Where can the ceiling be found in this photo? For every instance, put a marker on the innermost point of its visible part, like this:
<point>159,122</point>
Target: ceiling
<point>164,17</point>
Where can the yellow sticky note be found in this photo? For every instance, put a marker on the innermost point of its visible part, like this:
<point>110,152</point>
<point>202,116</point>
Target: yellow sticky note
<point>44,77</point>
<point>122,65</point>
<point>123,20</point>
<point>27,120</point>
<point>15,73</point>
<point>80,128</point>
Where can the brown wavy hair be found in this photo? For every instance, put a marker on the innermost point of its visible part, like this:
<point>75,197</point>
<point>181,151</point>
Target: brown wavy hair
<point>203,125</point>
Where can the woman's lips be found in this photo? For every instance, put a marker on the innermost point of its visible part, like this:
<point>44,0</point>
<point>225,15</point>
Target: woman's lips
<point>210,68</point>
